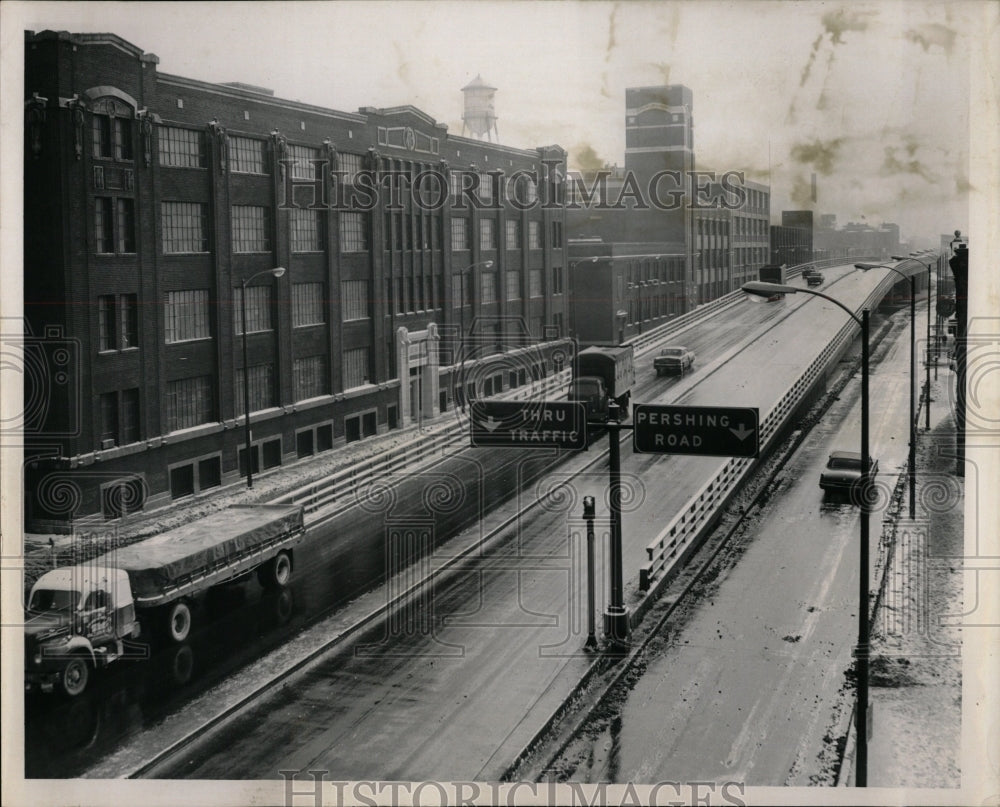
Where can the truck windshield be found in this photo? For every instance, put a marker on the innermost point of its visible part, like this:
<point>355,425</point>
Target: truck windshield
<point>585,388</point>
<point>46,599</point>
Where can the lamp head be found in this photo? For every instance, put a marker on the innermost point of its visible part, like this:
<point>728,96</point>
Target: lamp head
<point>758,288</point>
<point>897,257</point>
<point>278,271</point>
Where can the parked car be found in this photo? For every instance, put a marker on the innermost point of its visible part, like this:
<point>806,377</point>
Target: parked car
<point>673,360</point>
<point>843,471</point>
<point>952,326</point>
<point>813,277</point>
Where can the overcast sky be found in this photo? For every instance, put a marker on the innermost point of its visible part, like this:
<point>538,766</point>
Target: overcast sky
<point>872,97</point>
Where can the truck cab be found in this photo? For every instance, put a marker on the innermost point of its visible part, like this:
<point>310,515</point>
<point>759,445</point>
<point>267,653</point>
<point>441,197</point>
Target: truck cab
<point>77,619</point>
<point>590,390</point>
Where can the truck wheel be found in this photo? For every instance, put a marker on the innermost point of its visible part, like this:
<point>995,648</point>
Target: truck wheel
<point>276,572</point>
<point>75,676</point>
<point>178,621</point>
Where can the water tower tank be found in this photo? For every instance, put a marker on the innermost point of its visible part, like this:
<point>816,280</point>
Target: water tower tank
<point>479,116</point>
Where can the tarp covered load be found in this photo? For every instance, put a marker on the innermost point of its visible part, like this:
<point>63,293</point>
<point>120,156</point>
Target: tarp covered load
<point>166,560</point>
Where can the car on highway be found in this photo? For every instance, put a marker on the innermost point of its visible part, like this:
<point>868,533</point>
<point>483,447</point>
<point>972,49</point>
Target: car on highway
<point>843,471</point>
<point>952,326</point>
<point>813,277</point>
<point>674,360</point>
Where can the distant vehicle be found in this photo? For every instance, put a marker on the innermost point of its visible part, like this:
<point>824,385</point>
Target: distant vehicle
<point>603,374</point>
<point>673,360</point>
<point>813,277</point>
<point>773,273</point>
<point>87,616</point>
<point>843,471</point>
<point>952,326</point>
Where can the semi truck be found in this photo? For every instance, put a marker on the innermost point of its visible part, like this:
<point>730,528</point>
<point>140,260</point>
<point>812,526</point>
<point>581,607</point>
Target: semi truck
<point>603,374</point>
<point>84,617</point>
<point>774,273</point>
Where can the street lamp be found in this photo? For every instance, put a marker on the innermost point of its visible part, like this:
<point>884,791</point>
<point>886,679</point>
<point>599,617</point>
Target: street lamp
<point>930,256</point>
<point>911,462</point>
<point>278,271</point>
<point>861,653</point>
<point>461,314</point>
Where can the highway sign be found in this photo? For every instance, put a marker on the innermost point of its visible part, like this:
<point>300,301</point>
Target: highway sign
<point>710,431</point>
<point>529,424</point>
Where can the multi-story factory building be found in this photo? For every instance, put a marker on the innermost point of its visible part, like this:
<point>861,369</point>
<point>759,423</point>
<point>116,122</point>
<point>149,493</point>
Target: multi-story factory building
<point>158,213</point>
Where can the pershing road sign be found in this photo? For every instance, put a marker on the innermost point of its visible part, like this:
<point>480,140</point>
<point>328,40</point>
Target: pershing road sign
<point>529,424</point>
<point>710,431</point>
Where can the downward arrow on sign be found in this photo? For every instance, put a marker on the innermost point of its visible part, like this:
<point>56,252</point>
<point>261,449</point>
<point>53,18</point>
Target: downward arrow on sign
<point>742,433</point>
<point>491,424</point>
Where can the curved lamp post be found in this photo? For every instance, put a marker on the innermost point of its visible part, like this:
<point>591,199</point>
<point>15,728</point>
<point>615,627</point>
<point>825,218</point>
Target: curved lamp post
<point>461,313</point>
<point>861,653</point>
<point>911,461</point>
<point>278,271</point>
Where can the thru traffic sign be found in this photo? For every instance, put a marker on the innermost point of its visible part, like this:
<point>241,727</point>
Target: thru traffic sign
<point>710,431</point>
<point>529,424</point>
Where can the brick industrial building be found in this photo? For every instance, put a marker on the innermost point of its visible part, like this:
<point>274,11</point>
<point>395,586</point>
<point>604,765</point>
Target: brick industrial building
<point>154,203</point>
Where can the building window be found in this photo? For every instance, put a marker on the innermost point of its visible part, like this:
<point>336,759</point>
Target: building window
<point>309,377</point>
<point>129,304</point>
<point>350,166</point>
<point>455,180</point>
<point>106,323</point>
<point>487,234</point>
<point>130,416</point>
<point>459,234</point>
<point>513,284</point>
<point>305,162</point>
<point>104,233</point>
<point>557,280</point>
<point>126,225</point>
<point>353,232</point>
<point>534,235</point>
<point>532,190</point>
<point>109,419</point>
<point>251,228</point>
<point>112,136</point>
<point>307,230</point>
<point>117,322</point>
<point>258,309</point>
<point>185,227</point>
<point>189,402</point>
<point>261,382</point>
<point>488,290</point>
<point>535,283</point>
<point>355,367</point>
<point>307,304</point>
<point>485,188</point>
<point>354,298</point>
<point>513,234</point>
<point>247,156</point>
<point>181,148</point>
<point>557,233</point>
<point>186,315</point>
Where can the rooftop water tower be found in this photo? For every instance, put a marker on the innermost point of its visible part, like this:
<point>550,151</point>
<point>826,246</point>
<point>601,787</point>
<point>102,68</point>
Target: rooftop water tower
<point>479,117</point>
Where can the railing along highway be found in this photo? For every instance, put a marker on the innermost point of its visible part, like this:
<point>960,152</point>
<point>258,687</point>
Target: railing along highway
<point>684,529</point>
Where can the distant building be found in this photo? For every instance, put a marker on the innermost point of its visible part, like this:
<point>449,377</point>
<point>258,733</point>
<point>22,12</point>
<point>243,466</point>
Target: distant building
<point>792,240</point>
<point>155,205</point>
<point>661,197</point>
<point>620,290</point>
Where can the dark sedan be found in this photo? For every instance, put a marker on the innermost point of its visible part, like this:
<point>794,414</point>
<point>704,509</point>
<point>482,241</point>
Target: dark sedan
<point>843,471</point>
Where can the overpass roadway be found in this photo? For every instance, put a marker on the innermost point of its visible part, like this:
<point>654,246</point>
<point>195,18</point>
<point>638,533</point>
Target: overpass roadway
<point>458,683</point>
